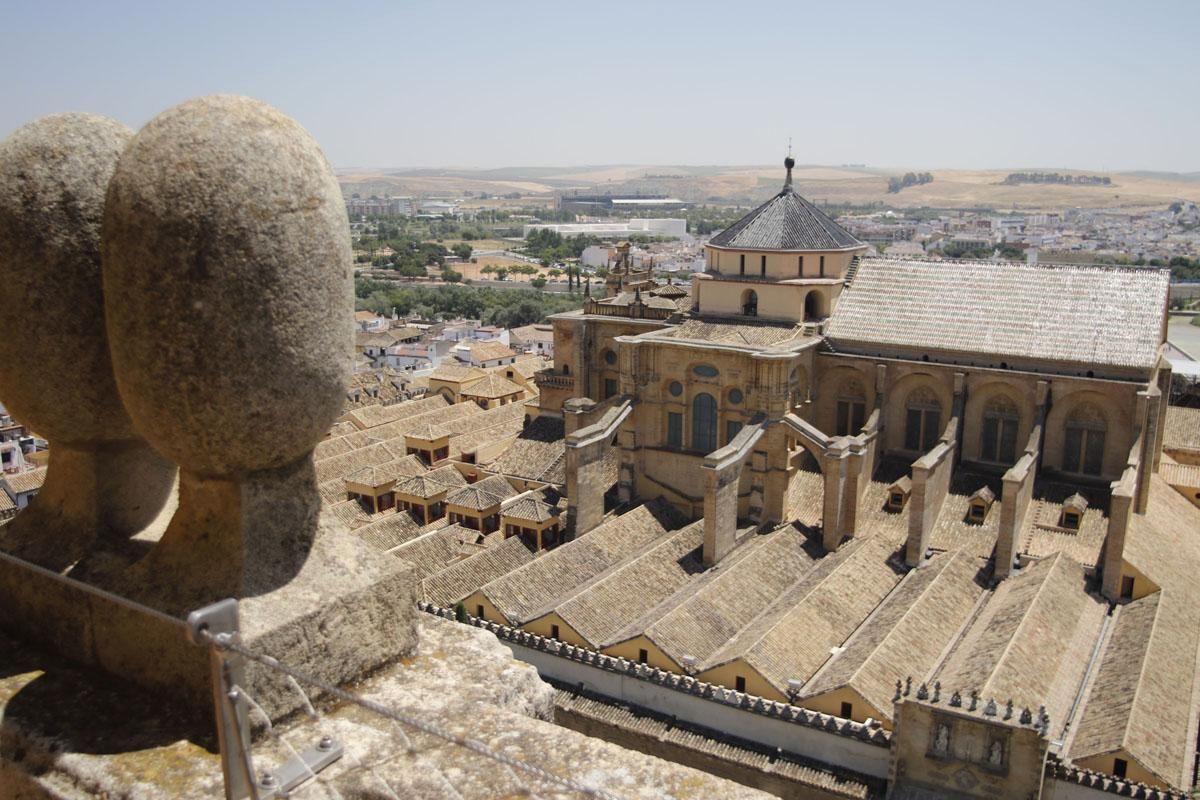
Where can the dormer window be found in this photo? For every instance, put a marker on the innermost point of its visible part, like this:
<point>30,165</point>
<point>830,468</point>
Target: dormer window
<point>1072,512</point>
<point>898,493</point>
<point>979,504</point>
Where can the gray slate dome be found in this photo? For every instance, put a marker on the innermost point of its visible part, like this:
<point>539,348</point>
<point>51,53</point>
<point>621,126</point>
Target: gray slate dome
<point>786,222</point>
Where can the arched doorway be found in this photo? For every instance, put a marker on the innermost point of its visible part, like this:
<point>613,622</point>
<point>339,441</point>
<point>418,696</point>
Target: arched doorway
<point>814,306</point>
<point>750,303</point>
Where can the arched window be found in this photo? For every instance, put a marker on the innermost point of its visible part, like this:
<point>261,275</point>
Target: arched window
<point>1083,441</point>
<point>566,369</point>
<point>998,441</point>
<point>704,423</point>
<point>851,408</point>
<point>922,421</point>
<point>750,303</point>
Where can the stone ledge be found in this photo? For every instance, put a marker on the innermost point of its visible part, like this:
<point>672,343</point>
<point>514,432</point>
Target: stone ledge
<point>69,734</point>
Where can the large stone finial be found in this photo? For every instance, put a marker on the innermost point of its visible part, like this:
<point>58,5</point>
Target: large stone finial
<point>227,275</point>
<point>104,483</point>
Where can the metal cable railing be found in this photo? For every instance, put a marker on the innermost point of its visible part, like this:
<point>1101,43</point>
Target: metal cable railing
<point>215,627</point>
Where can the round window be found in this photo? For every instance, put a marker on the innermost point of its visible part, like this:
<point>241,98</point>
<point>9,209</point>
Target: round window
<point>610,357</point>
<point>676,388</point>
<point>735,396</point>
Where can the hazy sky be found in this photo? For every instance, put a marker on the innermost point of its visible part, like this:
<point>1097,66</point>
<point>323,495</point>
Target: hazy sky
<point>1095,85</point>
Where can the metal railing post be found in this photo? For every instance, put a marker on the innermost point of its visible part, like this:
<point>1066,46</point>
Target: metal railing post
<point>209,627</point>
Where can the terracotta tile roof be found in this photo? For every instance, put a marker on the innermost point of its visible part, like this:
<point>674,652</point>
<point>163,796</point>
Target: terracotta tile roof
<point>534,333</point>
<point>786,222</point>
<point>1143,696</point>
<point>456,373</point>
<point>1182,431</point>
<point>371,416</point>
<point>611,600</point>
<point>739,333</point>
<point>492,387</point>
<point>433,551</point>
<point>342,465</point>
<point>907,634</point>
<point>530,509</point>
<point>1032,640</point>
<point>702,616</point>
<point>6,502</point>
<point>381,474</point>
<point>486,493</point>
<point>351,514</point>
<point>1183,475</point>
<point>390,530</point>
<point>952,531</point>
<point>490,351</point>
<point>432,483</point>
<point>28,481</point>
<point>524,591</point>
<point>450,585</point>
<point>1041,535</point>
<point>1066,315</point>
<point>537,454</point>
<point>794,637</point>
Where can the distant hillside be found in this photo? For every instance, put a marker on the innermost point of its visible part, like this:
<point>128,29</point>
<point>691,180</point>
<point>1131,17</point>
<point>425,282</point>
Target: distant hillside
<point>751,184</point>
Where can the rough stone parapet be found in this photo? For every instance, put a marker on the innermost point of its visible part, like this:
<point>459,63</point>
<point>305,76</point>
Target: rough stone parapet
<point>971,704</point>
<point>687,684</point>
<point>1057,770</point>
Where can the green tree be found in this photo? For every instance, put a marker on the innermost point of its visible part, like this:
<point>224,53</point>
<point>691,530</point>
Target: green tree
<point>463,250</point>
<point>501,273</point>
<point>538,283</point>
<point>450,276</point>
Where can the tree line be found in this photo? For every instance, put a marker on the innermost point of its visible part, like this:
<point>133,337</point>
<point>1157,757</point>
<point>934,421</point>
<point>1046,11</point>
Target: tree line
<point>895,184</point>
<point>506,308</point>
<point>1015,178</point>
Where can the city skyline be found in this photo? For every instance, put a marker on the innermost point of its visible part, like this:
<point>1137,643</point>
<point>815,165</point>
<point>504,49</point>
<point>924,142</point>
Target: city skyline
<point>1098,86</point>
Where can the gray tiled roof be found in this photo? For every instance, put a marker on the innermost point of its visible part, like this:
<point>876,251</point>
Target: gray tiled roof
<point>1111,316</point>
<point>447,586</point>
<point>1142,699</point>
<point>1032,640</point>
<point>908,632</point>
<point>786,222</point>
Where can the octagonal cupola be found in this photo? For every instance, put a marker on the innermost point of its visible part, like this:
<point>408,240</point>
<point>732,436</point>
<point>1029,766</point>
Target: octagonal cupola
<point>787,242</point>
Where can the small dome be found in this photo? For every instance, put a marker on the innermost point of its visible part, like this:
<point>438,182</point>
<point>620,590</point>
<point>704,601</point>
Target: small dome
<point>789,162</point>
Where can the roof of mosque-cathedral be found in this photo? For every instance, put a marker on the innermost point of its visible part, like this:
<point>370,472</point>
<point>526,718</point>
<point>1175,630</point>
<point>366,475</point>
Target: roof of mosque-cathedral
<point>1072,314</point>
<point>786,222</point>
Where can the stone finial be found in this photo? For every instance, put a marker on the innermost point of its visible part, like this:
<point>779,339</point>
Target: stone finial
<point>228,281</point>
<point>908,685</point>
<point>1008,709</point>
<point>104,483</point>
<point>990,709</point>
<point>899,691</point>
<point>956,699</point>
<point>1026,716</point>
<point>937,691</point>
<point>922,692</point>
<point>974,700</point>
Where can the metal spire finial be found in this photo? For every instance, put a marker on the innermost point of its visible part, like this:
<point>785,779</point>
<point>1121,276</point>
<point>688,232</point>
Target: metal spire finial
<point>789,162</point>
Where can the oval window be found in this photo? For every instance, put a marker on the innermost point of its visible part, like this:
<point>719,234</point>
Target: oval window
<point>735,396</point>
<point>610,357</point>
<point>705,371</point>
<point>676,388</point>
